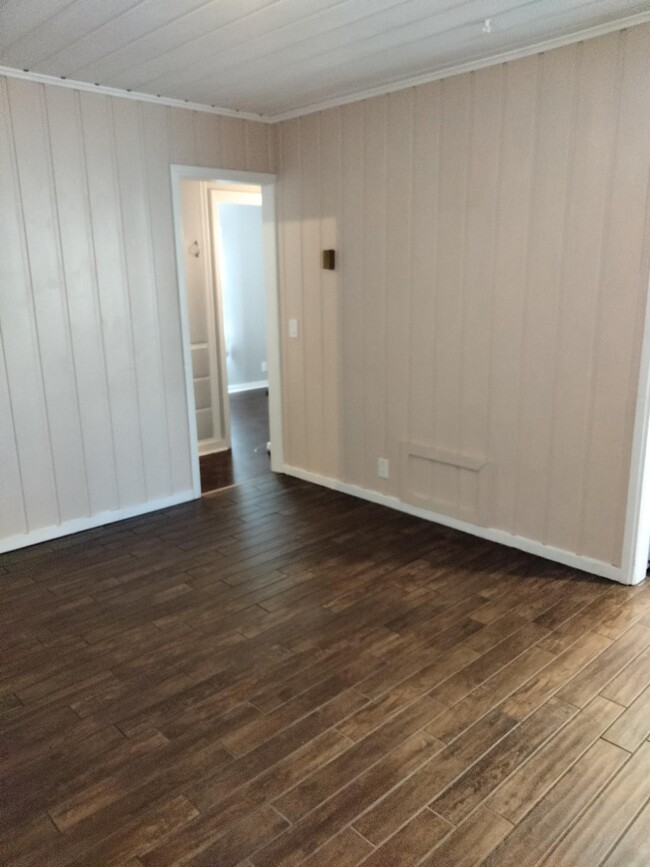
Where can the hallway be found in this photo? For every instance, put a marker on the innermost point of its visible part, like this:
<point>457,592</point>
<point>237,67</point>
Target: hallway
<point>248,457</point>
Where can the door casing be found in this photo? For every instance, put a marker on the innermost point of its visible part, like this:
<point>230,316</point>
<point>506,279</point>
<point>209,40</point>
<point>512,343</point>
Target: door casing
<point>267,182</point>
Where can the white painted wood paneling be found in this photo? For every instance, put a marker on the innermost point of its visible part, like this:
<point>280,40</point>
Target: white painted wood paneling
<point>291,303</point>
<point>63,111</point>
<point>49,298</point>
<point>332,371</point>
<point>278,57</point>
<point>93,413</point>
<point>97,130</point>
<point>158,141</point>
<point>491,280</point>
<point>351,289</point>
<point>27,426</point>
<point>142,296</point>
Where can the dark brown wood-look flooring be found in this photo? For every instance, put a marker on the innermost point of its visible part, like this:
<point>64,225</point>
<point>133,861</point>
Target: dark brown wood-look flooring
<point>280,675</point>
<point>248,458</point>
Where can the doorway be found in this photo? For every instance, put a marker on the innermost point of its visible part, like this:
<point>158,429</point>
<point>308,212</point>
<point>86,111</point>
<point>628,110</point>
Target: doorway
<point>226,254</point>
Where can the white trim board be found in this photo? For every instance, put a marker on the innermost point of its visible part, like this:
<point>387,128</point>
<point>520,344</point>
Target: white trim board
<point>78,525</point>
<point>636,539</point>
<point>248,386</point>
<point>211,447</point>
<point>354,96</point>
<point>87,87</point>
<point>530,546</point>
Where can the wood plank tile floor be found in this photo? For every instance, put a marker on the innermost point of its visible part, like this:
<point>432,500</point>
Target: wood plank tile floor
<point>281,675</point>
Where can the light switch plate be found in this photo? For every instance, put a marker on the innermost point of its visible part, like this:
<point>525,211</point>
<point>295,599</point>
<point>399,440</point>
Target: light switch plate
<point>382,468</point>
<point>293,328</point>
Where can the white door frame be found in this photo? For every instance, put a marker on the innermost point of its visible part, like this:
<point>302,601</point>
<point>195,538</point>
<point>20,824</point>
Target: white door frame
<point>269,229</point>
<point>636,540</point>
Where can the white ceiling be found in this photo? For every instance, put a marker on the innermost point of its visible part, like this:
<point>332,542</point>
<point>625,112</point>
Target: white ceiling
<point>278,57</point>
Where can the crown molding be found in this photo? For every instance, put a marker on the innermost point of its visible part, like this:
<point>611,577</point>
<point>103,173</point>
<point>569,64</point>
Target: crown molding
<point>469,66</point>
<point>86,87</point>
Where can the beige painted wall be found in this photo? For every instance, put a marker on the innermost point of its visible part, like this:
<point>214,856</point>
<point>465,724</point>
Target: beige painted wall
<point>93,414</point>
<point>492,241</point>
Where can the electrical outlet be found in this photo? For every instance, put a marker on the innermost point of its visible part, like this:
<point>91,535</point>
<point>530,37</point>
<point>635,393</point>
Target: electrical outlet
<point>265,367</point>
<point>293,328</point>
<point>382,468</point>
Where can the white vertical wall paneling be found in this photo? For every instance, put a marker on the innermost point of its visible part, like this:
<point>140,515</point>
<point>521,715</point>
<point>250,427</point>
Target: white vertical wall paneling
<point>517,145</point>
<point>478,278</point>
<point>331,192</point>
<point>28,423</point>
<point>95,422</point>
<point>256,138</point>
<point>143,300</point>
<point>524,260</point>
<point>158,146</point>
<point>291,306</point>
<point>353,213</point>
<point>66,142</point>
<point>595,132</point>
<point>450,262</point>
<point>207,133</point>
<point>622,312</point>
<point>423,290</point>
<point>12,506</point>
<point>555,151</point>
<point>118,348</point>
<point>232,152</point>
<point>400,190</point>
<point>373,406</point>
<point>181,135</point>
<point>526,322</point>
<point>49,297</point>
<point>311,319</point>
<point>618,48</point>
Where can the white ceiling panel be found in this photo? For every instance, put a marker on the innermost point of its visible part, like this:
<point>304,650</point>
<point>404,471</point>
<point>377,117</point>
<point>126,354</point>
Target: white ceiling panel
<point>355,24</point>
<point>345,72</point>
<point>19,17</point>
<point>146,63</point>
<point>105,53</point>
<point>392,41</point>
<point>277,57</point>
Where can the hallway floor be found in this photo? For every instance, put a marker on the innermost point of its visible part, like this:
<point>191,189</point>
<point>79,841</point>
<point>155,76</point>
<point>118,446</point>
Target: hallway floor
<point>281,675</point>
<point>248,458</point>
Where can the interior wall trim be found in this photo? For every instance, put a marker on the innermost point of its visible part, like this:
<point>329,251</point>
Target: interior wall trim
<point>530,546</point>
<point>78,525</point>
<point>53,80</point>
<point>248,386</point>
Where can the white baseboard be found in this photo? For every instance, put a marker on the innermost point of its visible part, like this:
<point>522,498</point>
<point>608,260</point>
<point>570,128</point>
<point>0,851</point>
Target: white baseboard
<point>77,525</point>
<point>248,386</point>
<point>530,546</point>
<point>209,447</point>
